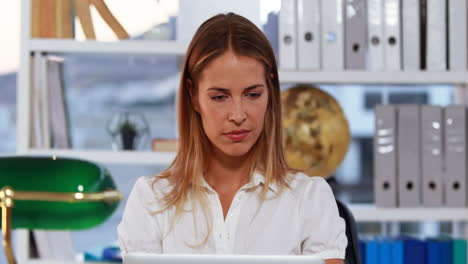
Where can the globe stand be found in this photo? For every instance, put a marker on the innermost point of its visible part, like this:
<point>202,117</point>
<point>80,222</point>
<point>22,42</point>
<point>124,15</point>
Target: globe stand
<point>8,195</point>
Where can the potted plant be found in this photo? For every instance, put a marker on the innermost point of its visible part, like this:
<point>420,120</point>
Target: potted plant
<point>128,132</point>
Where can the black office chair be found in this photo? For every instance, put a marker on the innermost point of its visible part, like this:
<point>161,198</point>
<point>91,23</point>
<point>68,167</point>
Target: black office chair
<point>352,250</point>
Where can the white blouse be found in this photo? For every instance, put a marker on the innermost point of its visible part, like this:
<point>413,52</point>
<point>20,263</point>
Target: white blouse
<point>301,220</point>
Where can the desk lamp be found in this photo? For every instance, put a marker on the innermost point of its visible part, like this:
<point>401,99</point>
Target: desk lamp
<point>53,194</point>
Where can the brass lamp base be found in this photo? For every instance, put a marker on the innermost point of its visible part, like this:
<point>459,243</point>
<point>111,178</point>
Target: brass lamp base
<point>7,195</point>
<point>6,202</point>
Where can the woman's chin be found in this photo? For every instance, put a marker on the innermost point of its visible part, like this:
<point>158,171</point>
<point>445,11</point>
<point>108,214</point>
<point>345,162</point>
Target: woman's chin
<point>236,151</point>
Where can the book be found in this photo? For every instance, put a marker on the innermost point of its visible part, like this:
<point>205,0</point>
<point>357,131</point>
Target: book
<point>35,19</point>
<point>159,144</point>
<point>58,110</point>
<point>65,19</point>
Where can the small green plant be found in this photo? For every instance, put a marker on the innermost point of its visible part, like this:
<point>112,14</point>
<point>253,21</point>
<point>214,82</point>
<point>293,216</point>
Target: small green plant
<point>128,127</point>
<point>128,132</point>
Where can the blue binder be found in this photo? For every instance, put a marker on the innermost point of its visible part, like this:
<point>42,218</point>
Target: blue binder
<point>446,250</point>
<point>398,252</point>
<point>433,252</point>
<point>414,251</point>
<point>385,252</point>
<point>372,252</point>
<point>362,251</point>
<point>439,251</point>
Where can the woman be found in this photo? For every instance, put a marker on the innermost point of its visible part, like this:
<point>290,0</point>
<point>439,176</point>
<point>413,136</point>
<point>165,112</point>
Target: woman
<point>229,189</point>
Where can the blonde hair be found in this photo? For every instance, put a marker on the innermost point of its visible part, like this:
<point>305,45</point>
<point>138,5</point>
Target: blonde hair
<point>214,37</point>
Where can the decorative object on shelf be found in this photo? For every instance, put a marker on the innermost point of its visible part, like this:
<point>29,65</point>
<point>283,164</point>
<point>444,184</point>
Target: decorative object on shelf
<point>82,9</point>
<point>128,130</point>
<point>53,193</point>
<point>52,19</point>
<point>55,18</point>
<point>160,144</point>
<point>316,131</point>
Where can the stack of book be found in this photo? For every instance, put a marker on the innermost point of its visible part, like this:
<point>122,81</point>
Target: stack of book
<point>413,251</point>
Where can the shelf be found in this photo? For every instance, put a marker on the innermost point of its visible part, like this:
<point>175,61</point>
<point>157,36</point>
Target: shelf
<point>66,262</point>
<point>115,157</point>
<point>370,213</point>
<point>319,77</point>
<point>364,77</point>
<point>120,47</point>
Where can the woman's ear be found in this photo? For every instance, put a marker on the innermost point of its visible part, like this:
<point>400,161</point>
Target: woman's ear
<point>193,94</point>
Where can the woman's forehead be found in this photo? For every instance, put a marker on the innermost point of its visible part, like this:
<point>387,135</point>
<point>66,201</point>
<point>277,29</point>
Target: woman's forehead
<point>231,70</point>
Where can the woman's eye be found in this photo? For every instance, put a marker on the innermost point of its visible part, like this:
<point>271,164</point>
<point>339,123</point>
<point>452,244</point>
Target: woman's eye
<point>254,95</point>
<point>218,97</point>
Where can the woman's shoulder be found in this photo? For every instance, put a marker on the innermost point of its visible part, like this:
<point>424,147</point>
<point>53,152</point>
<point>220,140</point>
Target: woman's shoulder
<point>309,187</point>
<point>314,194</point>
<point>151,188</point>
<point>301,180</point>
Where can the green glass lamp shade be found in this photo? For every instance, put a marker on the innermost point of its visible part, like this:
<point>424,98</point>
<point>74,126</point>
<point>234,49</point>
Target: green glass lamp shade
<point>57,175</point>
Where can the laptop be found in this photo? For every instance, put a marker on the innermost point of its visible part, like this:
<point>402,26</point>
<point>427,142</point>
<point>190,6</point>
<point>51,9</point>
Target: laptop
<point>146,258</point>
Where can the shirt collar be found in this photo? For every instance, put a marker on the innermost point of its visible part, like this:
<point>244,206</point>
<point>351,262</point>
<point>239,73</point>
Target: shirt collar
<point>206,185</point>
<point>256,180</point>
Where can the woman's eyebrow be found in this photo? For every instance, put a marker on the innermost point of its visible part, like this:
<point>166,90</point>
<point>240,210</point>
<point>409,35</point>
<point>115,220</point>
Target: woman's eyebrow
<point>253,87</point>
<point>224,90</point>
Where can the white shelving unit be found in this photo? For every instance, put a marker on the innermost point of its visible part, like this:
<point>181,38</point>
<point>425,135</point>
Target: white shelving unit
<point>362,213</point>
<point>115,157</point>
<point>121,47</point>
<point>370,213</point>
<point>65,262</point>
<point>363,77</point>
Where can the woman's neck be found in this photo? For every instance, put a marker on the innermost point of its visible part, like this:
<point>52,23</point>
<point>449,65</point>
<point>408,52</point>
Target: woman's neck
<point>227,173</point>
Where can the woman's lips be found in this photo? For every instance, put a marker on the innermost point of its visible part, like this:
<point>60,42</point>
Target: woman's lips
<point>237,136</point>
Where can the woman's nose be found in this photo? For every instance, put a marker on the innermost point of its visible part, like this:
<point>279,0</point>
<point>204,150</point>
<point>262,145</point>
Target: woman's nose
<point>237,113</point>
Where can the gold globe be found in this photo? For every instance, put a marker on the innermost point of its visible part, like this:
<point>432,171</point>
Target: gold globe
<point>316,132</point>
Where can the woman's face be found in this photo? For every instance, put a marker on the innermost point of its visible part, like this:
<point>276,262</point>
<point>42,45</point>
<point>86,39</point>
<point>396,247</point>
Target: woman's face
<point>232,97</point>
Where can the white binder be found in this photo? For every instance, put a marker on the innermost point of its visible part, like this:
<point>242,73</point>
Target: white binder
<point>287,35</point>
<point>411,35</point>
<point>375,37</point>
<point>308,37</point>
<point>409,156</point>
<point>332,35</point>
<point>455,156</point>
<point>58,110</point>
<point>436,30</point>
<point>385,160</point>
<point>355,34</point>
<point>431,151</point>
<point>392,46</point>
<point>457,35</point>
